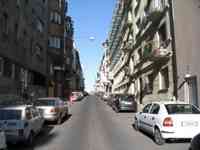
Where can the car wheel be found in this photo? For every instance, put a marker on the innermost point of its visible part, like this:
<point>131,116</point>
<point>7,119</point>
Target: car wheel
<point>59,121</point>
<point>30,139</point>
<point>136,125</point>
<point>158,137</point>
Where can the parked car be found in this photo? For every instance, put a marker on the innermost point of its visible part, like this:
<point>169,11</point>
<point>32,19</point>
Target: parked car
<point>124,102</point>
<point>76,96</point>
<point>3,145</point>
<point>195,143</point>
<point>21,123</point>
<point>111,100</point>
<point>169,120</point>
<point>106,96</point>
<point>53,108</point>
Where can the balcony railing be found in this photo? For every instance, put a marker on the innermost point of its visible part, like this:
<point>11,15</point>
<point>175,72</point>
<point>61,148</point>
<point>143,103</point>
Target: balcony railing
<point>154,52</point>
<point>160,53</point>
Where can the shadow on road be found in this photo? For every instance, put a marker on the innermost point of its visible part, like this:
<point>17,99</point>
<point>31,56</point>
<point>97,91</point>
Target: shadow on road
<point>171,141</point>
<point>41,139</point>
<point>66,118</point>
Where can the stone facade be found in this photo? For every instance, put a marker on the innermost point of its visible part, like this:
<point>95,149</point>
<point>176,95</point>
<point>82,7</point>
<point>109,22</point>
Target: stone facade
<point>23,39</point>
<point>142,50</point>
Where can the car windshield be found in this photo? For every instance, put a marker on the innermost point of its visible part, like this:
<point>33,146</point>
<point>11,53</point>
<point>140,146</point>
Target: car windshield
<point>10,114</point>
<point>126,98</point>
<point>45,103</point>
<point>181,109</point>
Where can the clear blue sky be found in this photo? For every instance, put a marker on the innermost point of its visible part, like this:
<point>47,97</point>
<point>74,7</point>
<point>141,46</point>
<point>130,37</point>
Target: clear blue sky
<point>91,18</point>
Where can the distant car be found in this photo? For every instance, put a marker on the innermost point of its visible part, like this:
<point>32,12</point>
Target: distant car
<point>195,143</point>
<point>169,120</point>
<point>53,108</point>
<point>124,102</point>
<point>76,96</point>
<point>3,145</point>
<point>106,96</point>
<point>21,123</point>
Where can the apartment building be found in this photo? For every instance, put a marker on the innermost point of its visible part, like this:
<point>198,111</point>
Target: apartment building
<point>142,50</point>
<point>56,28</point>
<point>68,55</point>
<point>23,39</point>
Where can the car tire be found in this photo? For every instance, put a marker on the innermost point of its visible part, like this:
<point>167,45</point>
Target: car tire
<point>116,110</point>
<point>30,139</point>
<point>158,137</point>
<point>136,125</point>
<point>59,121</point>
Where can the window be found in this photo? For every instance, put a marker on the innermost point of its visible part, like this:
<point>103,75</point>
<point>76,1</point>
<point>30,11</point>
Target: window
<point>60,3</point>
<point>16,31</point>
<point>164,79</point>
<point>54,42</point>
<point>18,3</point>
<point>38,50</point>
<point>55,17</point>
<point>13,71</point>
<point>146,108</point>
<point>17,72</point>
<point>39,25</point>
<point>1,65</point>
<point>7,68</point>
<point>181,109</point>
<point>5,24</point>
<point>26,2</point>
<point>149,84</point>
<point>155,109</point>
<point>9,114</point>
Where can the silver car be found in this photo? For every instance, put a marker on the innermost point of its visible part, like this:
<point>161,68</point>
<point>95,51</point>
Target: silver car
<point>53,108</point>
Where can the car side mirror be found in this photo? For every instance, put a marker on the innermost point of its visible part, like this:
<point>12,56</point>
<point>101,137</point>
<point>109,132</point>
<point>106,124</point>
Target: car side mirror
<point>140,113</point>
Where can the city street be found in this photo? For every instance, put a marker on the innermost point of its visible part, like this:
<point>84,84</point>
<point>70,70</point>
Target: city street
<point>93,125</point>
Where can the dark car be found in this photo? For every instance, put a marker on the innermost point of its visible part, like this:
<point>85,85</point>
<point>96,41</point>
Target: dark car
<point>124,102</point>
<point>195,143</point>
<point>111,100</point>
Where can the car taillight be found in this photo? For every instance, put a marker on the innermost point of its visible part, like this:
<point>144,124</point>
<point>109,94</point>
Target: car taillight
<point>21,132</point>
<point>168,122</point>
<point>53,110</point>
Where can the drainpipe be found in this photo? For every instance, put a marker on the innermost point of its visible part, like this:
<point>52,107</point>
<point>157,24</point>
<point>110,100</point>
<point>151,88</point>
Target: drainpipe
<point>174,63</point>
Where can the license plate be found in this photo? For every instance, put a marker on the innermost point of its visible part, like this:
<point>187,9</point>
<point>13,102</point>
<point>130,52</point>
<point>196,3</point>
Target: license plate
<point>189,124</point>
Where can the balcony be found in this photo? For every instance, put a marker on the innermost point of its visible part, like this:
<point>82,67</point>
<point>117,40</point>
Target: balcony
<point>154,52</point>
<point>127,46</point>
<point>156,9</point>
<point>160,53</point>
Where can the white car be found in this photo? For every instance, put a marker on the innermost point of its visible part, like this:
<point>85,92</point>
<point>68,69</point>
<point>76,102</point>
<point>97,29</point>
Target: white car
<point>3,145</point>
<point>169,120</point>
<point>20,123</point>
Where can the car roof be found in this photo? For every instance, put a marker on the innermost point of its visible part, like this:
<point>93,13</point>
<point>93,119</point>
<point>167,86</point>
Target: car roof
<point>169,102</point>
<point>49,98</point>
<point>19,107</point>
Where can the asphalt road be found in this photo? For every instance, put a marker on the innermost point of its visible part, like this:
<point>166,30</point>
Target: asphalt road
<point>95,126</point>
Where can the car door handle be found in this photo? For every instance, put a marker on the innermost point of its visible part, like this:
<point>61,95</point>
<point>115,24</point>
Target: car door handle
<point>145,116</point>
<point>153,118</point>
